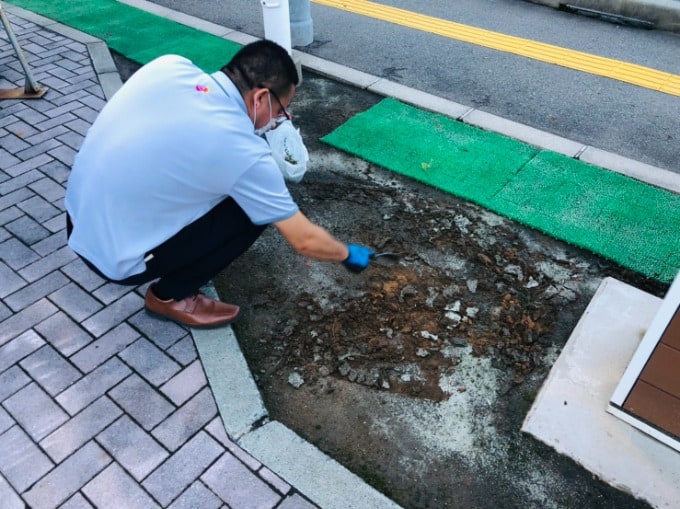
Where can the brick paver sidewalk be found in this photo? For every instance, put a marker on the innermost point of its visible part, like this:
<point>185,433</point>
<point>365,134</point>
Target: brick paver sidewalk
<point>101,406</point>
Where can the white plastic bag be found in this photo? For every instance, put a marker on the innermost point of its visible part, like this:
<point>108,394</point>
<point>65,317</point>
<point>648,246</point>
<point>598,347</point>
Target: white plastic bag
<point>288,150</point>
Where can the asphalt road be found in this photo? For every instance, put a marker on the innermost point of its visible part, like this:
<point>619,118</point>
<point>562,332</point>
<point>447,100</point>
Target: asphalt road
<point>629,120</point>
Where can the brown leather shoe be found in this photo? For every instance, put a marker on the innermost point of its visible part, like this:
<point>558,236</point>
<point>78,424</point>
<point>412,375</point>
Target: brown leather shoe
<point>196,311</point>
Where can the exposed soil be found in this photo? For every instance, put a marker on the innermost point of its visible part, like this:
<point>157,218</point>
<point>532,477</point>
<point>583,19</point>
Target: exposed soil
<point>416,375</point>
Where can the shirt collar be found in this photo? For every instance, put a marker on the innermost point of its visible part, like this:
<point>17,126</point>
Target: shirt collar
<point>229,89</point>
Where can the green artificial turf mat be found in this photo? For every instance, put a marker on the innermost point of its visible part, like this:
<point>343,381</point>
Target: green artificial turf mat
<point>136,34</point>
<point>630,222</point>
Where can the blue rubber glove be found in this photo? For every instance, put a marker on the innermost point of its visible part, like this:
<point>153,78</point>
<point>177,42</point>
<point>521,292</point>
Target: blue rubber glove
<point>358,259</point>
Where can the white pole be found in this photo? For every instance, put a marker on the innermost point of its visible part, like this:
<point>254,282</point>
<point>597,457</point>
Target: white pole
<point>276,14</point>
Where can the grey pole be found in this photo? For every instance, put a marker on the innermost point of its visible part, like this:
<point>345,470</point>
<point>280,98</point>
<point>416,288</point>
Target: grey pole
<point>31,89</point>
<point>301,25</point>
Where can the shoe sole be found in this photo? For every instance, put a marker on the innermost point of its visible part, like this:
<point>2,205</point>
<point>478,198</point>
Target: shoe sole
<point>166,318</point>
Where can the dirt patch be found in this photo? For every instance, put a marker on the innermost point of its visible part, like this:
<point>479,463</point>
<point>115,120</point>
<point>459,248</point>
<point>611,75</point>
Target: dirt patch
<point>417,375</point>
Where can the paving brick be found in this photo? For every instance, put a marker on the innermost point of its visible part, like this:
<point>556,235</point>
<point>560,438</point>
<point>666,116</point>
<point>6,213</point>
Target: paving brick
<point>50,369</point>
<point>47,264</point>
<point>149,361</point>
<point>22,321</point>
<point>78,125</point>
<point>115,489</point>
<point>10,498</point>
<point>19,347</point>
<point>64,154</point>
<point>185,384</point>
<point>14,183</point>
<point>93,102</point>
<point>217,431</point>
<point>163,333</point>
<point>187,420</point>
<point>182,468</point>
<point>68,477</point>
<point>16,254</point>
<point>92,386</point>
<point>14,197</point>
<point>238,486</point>
<point>144,404</point>
<point>22,129</point>
<point>6,421</point>
<point>51,243</point>
<point>113,314</point>
<point>184,350</point>
<point>9,215</point>
<point>197,495</point>
<point>63,333</point>
<point>80,429</point>
<point>296,502</point>
<point>35,162</point>
<point>28,230</point>
<point>7,159</point>
<point>11,381</point>
<point>23,462</point>
<point>57,224</point>
<point>132,447</point>
<point>9,281</point>
<point>109,292</point>
<point>37,150</point>
<point>56,170</point>
<point>35,411</point>
<point>57,122</point>
<point>75,302</point>
<point>81,274</point>
<point>30,115</point>
<point>48,189</point>
<point>77,501</point>
<point>99,351</point>
<point>13,144</point>
<point>38,208</point>
<point>71,139</point>
<point>36,290</point>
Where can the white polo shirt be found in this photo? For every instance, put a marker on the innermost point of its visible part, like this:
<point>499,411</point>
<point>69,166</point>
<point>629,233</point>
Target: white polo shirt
<point>170,145</point>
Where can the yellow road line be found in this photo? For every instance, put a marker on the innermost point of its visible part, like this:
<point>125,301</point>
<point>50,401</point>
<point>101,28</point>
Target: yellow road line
<point>622,71</point>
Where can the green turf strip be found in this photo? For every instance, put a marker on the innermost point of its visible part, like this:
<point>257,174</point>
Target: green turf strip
<point>137,34</point>
<point>630,222</point>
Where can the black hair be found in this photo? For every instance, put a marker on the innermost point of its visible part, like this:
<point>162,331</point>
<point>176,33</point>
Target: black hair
<point>262,64</point>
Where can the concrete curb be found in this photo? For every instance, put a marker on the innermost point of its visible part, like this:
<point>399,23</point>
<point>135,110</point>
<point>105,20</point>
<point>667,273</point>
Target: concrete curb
<point>660,14</point>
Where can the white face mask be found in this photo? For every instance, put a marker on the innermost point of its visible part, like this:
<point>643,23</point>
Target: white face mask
<point>269,125</point>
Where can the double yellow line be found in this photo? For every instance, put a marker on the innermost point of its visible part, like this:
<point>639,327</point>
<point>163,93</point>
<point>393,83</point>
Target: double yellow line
<point>622,71</point>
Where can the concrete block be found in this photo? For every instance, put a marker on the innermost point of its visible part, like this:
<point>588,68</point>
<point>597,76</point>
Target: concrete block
<point>570,411</point>
<point>523,133</point>
<point>652,175</point>
<point>238,398</point>
<point>320,478</point>
<point>419,99</point>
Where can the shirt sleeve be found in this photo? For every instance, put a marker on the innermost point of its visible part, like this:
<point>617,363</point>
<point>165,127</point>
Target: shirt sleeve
<point>262,193</point>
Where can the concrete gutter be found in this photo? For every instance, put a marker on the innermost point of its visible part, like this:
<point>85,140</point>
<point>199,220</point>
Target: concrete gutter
<point>659,14</point>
